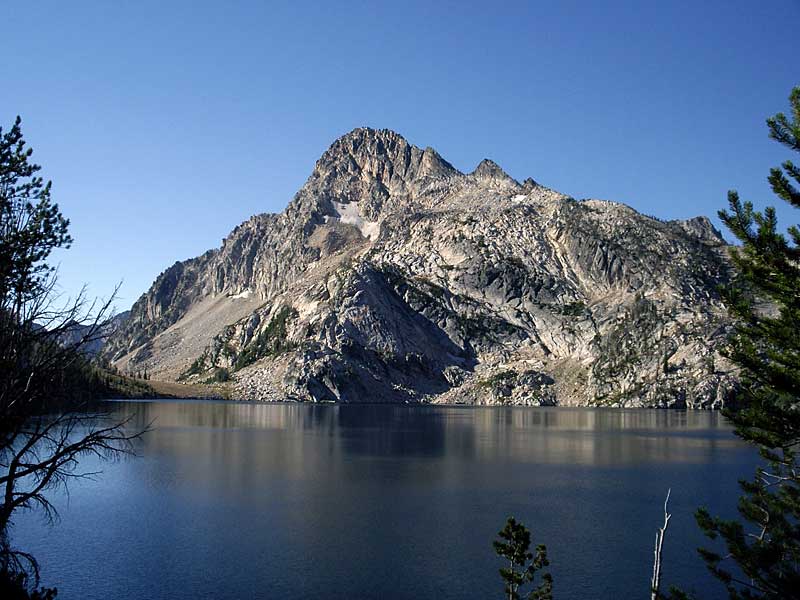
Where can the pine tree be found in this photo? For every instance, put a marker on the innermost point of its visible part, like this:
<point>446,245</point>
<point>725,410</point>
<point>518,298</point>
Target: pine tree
<point>45,428</point>
<point>514,545</point>
<point>764,298</point>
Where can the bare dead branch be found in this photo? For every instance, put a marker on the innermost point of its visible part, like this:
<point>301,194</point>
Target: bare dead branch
<point>655,582</point>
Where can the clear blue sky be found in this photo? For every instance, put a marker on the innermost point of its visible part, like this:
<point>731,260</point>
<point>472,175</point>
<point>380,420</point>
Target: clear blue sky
<point>165,124</point>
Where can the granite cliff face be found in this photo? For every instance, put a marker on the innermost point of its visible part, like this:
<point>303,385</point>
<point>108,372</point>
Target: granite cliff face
<point>393,277</point>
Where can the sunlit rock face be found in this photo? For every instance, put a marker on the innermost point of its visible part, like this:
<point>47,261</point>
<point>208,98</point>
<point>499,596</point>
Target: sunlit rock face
<point>393,277</point>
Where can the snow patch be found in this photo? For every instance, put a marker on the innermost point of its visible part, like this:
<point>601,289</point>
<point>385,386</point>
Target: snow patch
<point>349,213</point>
<point>244,294</point>
<point>518,198</point>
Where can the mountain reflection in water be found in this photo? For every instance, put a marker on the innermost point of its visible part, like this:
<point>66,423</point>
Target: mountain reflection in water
<point>234,500</point>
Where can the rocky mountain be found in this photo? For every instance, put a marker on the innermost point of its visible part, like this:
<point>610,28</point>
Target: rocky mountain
<point>394,277</point>
<point>88,339</point>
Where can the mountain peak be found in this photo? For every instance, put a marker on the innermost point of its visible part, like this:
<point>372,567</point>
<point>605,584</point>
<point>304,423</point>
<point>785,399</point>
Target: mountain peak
<point>394,277</point>
<point>376,163</point>
<point>488,169</point>
<point>381,144</point>
<point>360,135</point>
<point>703,229</point>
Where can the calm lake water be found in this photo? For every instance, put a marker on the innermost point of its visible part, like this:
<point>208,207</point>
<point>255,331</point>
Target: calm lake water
<point>300,501</point>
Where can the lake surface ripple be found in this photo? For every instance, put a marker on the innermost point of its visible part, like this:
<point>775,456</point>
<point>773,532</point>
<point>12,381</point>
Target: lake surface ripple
<point>233,500</point>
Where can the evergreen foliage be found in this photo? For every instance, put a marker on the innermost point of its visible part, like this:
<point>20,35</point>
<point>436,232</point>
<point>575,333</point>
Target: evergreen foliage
<point>45,377</point>
<point>197,367</point>
<point>761,558</point>
<point>514,546</point>
<point>271,341</point>
<point>220,375</point>
<point>31,225</point>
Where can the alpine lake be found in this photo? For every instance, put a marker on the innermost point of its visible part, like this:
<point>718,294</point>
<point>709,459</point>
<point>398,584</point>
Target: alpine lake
<point>240,500</point>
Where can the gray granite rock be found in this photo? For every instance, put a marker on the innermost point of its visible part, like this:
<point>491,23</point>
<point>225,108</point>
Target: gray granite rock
<point>392,276</point>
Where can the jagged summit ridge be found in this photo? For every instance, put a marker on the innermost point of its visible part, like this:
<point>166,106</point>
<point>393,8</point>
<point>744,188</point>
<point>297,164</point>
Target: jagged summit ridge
<point>377,149</point>
<point>382,155</point>
<point>488,169</point>
<point>393,276</point>
<point>371,166</point>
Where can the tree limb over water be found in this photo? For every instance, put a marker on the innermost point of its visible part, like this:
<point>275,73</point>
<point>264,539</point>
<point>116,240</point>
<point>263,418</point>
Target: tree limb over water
<point>46,422</point>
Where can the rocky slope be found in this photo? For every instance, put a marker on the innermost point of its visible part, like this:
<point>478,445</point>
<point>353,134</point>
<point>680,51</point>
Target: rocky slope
<point>87,339</point>
<point>393,277</point>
